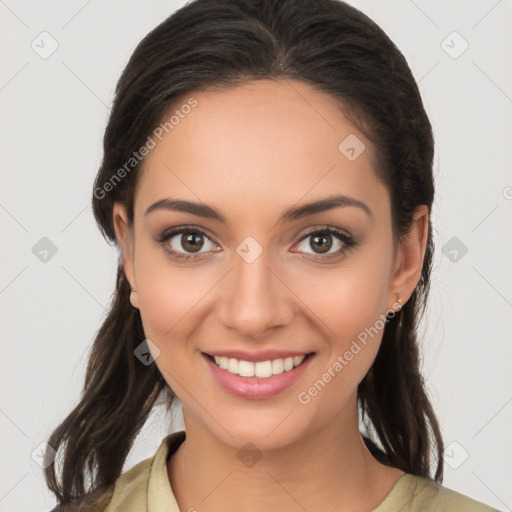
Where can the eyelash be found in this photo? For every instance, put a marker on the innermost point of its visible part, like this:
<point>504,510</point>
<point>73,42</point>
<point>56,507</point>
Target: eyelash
<point>345,238</point>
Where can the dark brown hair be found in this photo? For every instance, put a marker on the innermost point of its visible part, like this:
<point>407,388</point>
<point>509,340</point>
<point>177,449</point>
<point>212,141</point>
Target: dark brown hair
<point>335,49</point>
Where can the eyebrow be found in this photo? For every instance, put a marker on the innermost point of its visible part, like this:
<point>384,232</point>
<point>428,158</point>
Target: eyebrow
<point>295,212</point>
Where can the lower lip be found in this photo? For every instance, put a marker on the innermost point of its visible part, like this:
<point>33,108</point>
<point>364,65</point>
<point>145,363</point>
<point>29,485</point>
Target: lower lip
<point>252,387</point>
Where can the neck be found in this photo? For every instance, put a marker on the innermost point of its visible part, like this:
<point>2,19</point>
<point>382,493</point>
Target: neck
<point>326,470</point>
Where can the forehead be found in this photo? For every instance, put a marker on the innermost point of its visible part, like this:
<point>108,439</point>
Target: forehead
<point>265,139</point>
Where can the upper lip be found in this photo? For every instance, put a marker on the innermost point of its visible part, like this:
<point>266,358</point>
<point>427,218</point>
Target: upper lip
<point>263,355</point>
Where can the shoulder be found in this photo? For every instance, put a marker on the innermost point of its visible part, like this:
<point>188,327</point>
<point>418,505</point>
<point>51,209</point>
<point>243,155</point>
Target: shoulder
<point>94,501</point>
<point>130,486</point>
<point>422,494</point>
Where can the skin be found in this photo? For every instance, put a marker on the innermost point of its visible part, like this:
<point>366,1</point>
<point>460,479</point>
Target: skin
<point>251,152</point>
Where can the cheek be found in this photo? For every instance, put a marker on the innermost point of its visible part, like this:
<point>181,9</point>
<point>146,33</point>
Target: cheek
<point>348,300</point>
<point>166,305</point>
<point>349,306</point>
<point>354,317</point>
<point>169,295</point>
<point>351,345</point>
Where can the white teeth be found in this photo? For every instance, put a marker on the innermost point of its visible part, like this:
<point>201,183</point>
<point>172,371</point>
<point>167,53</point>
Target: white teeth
<point>263,369</point>
<point>288,364</point>
<point>245,369</point>
<point>232,366</point>
<point>260,369</point>
<point>277,366</point>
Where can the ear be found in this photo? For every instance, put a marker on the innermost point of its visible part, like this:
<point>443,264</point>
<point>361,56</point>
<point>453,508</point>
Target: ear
<point>125,237</point>
<point>409,257</point>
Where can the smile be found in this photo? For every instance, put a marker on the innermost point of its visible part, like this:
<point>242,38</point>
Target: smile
<point>257,380</point>
<point>260,369</point>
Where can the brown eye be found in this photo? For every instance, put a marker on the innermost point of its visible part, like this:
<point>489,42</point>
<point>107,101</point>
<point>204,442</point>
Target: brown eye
<point>325,242</point>
<point>321,243</point>
<point>186,243</point>
<point>192,242</point>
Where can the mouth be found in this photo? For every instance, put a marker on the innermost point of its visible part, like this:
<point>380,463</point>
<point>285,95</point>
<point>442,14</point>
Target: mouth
<point>259,370</point>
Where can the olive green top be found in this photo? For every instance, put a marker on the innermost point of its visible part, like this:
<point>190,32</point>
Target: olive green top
<point>145,487</point>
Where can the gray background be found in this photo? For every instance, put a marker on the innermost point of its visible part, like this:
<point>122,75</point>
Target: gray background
<point>54,111</point>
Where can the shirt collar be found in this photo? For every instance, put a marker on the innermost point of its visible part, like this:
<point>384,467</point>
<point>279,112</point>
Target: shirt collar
<point>160,497</point>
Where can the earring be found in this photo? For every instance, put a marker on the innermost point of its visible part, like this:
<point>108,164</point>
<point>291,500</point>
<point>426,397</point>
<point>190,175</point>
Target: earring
<point>400,303</point>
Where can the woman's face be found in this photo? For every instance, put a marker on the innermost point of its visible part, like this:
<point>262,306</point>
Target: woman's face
<point>238,253</point>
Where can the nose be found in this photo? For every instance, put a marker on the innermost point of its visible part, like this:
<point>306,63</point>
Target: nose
<point>254,298</point>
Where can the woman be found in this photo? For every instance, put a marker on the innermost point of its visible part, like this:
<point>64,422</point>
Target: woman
<point>267,178</point>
